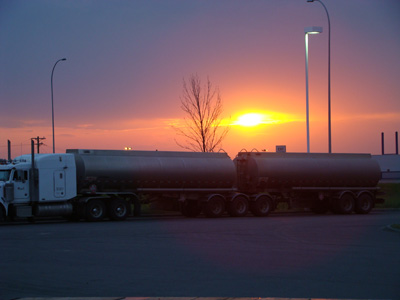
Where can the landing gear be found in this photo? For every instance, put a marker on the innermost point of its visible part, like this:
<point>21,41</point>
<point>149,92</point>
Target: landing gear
<point>190,209</point>
<point>319,207</point>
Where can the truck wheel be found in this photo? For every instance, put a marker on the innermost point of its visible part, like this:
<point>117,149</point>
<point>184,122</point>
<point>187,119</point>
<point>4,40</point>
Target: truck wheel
<point>215,207</point>
<point>261,207</point>
<point>364,203</point>
<point>345,204</point>
<point>95,210</point>
<point>190,209</point>
<point>238,207</point>
<point>118,210</point>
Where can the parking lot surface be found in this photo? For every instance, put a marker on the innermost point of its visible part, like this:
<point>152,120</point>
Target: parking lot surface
<point>283,255</point>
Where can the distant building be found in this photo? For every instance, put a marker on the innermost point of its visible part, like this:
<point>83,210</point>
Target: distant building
<point>390,166</point>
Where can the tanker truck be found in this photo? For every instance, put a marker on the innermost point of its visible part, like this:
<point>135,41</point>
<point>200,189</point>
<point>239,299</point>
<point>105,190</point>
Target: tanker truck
<point>98,184</point>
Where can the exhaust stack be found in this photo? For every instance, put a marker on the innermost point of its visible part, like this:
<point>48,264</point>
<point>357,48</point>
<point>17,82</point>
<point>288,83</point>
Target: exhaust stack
<point>9,150</point>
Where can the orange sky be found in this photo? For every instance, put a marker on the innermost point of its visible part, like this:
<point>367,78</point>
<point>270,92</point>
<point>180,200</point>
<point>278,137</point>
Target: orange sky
<point>126,60</point>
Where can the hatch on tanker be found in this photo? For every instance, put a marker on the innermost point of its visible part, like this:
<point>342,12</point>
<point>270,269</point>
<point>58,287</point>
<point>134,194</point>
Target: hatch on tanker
<point>261,170</point>
<point>155,171</point>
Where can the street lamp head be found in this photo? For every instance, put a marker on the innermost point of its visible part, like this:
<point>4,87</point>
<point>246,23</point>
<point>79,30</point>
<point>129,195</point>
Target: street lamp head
<point>310,0</point>
<point>63,59</point>
<point>313,30</point>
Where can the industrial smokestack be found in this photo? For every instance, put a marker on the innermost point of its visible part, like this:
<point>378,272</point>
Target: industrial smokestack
<point>397,143</point>
<point>383,143</point>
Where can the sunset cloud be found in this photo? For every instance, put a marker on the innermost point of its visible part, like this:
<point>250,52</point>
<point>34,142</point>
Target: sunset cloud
<point>122,81</point>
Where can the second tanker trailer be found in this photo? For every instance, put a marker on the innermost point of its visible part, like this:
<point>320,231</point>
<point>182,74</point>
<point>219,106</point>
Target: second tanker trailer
<point>342,183</point>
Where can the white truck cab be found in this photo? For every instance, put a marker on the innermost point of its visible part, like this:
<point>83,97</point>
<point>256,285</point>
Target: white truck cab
<point>26,187</point>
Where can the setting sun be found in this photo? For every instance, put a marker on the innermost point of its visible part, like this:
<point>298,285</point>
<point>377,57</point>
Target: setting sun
<point>255,119</point>
<point>251,119</point>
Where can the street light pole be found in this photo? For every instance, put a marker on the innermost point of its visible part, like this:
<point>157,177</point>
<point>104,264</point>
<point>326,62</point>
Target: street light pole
<point>307,31</point>
<point>52,102</point>
<point>329,76</point>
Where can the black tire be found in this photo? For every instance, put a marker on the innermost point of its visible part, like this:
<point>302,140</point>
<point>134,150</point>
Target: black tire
<point>238,207</point>
<point>95,210</point>
<point>118,210</point>
<point>364,203</point>
<point>261,207</point>
<point>345,204</point>
<point>190,209</point>
<point>214,207</point>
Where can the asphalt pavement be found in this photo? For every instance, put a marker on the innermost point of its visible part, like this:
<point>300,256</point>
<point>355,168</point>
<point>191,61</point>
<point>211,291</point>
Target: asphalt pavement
<point>283,255</point>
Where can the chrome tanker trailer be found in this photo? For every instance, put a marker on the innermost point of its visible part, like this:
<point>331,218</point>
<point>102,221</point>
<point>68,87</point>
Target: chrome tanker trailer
<point>197,181</point>
<point>94,184</point>
<point>341,182</point>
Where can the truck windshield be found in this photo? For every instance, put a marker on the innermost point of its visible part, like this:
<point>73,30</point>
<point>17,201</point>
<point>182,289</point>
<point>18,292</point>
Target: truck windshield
<point>5,175</point>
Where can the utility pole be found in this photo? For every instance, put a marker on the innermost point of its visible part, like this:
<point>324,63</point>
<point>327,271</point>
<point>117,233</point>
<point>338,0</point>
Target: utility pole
<point>38,142</point>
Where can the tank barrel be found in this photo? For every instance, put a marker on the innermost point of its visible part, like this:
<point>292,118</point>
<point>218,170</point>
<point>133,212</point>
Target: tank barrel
<point>152,170</point>
<point>278,170</point>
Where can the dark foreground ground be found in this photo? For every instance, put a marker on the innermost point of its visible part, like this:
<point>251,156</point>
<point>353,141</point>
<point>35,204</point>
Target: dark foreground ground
<point>283,255</point>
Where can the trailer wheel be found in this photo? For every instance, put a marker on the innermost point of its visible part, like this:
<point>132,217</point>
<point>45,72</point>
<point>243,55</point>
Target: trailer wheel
<point>364,203</point>
<point>214,207</point>
<point>118,210</point>
<point>190,209</point>
<point>261,207</point>
<point>345,204</point>
<point>238,207</point>
<point>95,210</point>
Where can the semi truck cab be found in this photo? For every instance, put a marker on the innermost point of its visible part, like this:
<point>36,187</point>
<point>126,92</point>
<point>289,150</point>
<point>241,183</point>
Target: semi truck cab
<point>26,187</point>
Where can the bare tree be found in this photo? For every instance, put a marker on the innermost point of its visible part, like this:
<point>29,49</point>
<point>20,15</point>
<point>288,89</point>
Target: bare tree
<point>203,107</point>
